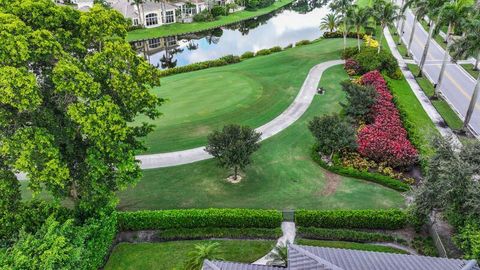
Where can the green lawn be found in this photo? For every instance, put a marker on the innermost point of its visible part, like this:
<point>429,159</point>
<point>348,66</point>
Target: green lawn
<point>349,245</point>
<point>172,255</point>
<point>469,69</point>
<point>402,49</point>
<point>282,174</point>
<point>252,93</point>
<point>447,113</point>
<point>183,28</point>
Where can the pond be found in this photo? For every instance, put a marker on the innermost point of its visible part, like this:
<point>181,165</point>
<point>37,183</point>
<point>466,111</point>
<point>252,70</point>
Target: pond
<point>298,21</point>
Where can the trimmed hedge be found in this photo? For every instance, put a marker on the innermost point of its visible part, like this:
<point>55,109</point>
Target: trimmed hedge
<point>303,42</point>
<point>338,34</point>
<point>208,233</point>
<point>345,235</point>
<point>247,55</point>
<point>364,175</point>
<point>361,219</point>
<point>222,61</point>
<point>198,218</point>
<point>263,52</point>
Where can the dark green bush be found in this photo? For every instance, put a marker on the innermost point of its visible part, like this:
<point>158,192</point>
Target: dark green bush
<point>230,59</point>
<point>349,52</point>
<point>369,59</point>
<point>276,49</point>
<point>256,4</point>
<point>425,246</point>
<point>218,11</point>
<point>203,16</point>
<point>263,52</point>
<point>223,61</point>
<point>207,233</point>
<point>361,219</point>
<point>365,175</point>
<point>302,42</point>
<point>345,235</point>
<point>288,46</point>
<point>247,55</point>
<point>339,34</point>
<point>198,218</point>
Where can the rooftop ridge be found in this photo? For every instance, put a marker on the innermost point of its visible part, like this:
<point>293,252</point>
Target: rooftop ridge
<point>321,261</point>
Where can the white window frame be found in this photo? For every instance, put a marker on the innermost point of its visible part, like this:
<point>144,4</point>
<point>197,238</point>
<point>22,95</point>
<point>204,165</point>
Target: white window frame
<point>151,19</point>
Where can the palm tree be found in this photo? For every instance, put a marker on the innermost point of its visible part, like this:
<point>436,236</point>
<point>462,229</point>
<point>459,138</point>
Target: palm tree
<point>341,7</point>
<point>420,10</point>
<point>434,14</point>
<point>385,13</point>
<point>139,5</point>
<point>201,253</point>
<point>329,22</point>
<point>403,19</point>
<point>359,17</point>
<point>469,45</point>
<point>453,14</point>
<point>279,256</point>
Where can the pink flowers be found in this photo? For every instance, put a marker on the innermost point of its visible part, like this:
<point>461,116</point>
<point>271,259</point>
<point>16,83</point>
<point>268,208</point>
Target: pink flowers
<point>385,139</point>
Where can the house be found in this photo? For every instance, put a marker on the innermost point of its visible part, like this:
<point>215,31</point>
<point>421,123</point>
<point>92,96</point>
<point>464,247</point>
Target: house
<point>149,14</point>
<point>188,9</point>
<point>321,258</point>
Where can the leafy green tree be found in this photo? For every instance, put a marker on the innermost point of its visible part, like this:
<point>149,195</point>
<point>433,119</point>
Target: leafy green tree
<point>330,22</point>
<point>342,7</point>
<point>70,87</point>
<point>333,134</point>
<point>385,13</point>
<point>201,253</point>
<point>360,100</point>
<point>359,18</point>
<point>233,146</point>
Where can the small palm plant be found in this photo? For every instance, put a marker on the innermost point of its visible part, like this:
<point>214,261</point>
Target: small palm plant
<point>330,22</point>
<point>201,253</point>
<point>279,256</point>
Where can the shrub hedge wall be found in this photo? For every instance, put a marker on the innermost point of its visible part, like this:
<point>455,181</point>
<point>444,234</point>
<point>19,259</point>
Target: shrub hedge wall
<point>361,219</point>
<point>208,233</point>
<point>345,235</point>
<point>364,175</point>
<point>198,218</point>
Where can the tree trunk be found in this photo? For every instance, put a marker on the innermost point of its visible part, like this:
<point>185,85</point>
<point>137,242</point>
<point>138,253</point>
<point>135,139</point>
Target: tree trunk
<point>425,50</point>
<point>358,39</point>
<point>401,31</point>
<point>380,40</point>
<point>345,32</point>
<point>475,67</point>
<point>449,30</point>
<point>473,101</point>
<point>412,33</point>
<point>401,18</point>
<point>438,85</point>
<point>235,174</point>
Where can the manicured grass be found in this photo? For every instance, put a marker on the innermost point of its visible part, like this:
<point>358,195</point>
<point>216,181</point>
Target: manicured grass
<point>447,113</point>
<point>349,245</point>
<point>469,69</point>
<point>282,174</point>
<point>402,49</point>
<point>251,93</point>
<point>183,28</point>
<point>172,255</point>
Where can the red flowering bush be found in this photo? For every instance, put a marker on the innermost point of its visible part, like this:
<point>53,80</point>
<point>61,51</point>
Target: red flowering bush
<point>385,139</point>
<point>351,66</point>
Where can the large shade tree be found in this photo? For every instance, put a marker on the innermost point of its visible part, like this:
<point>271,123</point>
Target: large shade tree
<point>70,87</point>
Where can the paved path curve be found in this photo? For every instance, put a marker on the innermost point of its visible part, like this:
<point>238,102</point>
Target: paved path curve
<point>281,122</point>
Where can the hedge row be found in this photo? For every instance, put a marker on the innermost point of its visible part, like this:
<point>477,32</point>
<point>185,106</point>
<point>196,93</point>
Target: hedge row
<point>339,34</point>
<point>360,219</point>
<point>198,218</point>
<point>368,176</point>
<point>345,235</point>
<point>208,233</point>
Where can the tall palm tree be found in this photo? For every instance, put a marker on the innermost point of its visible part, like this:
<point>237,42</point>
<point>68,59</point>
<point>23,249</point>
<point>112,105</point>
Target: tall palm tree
<point>359,17</point>
<point>469,45</point>
<point>402,19</point>
<point>201,253</point>
<point>434,14</point>
<point>341,7</point>
<point>385,13</point>
<point>453,14</point>
<point>420,10</point>
<point>330,22</point>
<point>139,5</point>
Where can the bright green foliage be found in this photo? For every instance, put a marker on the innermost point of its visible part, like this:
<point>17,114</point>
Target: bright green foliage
<point>70,87</point>
<point>333,134</point>
<point>202,252</point>
<point>360,100</point>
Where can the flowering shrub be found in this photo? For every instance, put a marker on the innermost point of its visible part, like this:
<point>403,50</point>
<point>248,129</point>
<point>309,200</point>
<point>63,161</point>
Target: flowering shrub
<point>370,42</point>
<point>352,67</point>
<point>385,139</point>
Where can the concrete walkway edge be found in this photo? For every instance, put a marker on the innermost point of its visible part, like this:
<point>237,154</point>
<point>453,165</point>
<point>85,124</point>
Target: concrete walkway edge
<point>289,233</point>
<point>285,119</point>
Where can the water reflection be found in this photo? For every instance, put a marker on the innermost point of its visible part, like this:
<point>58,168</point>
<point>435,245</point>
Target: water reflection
<point>298,21</point>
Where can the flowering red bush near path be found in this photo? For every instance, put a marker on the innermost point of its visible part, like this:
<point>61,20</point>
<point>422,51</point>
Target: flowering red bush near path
<point>385,139</point>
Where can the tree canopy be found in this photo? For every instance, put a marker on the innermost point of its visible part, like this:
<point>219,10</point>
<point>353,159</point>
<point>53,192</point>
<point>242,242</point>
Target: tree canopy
<point>70,87</point>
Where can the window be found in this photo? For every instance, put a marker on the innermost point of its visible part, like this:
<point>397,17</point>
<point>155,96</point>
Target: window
<point>135,22</point>
<point>169,16</point>
<point>151,19</point>
<point>154,43</point>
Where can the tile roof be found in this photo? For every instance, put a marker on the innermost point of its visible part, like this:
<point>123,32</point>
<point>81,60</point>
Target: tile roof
<point>320,258</point>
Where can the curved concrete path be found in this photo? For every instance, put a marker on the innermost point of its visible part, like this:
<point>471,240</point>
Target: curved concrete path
<point>281,122</point>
